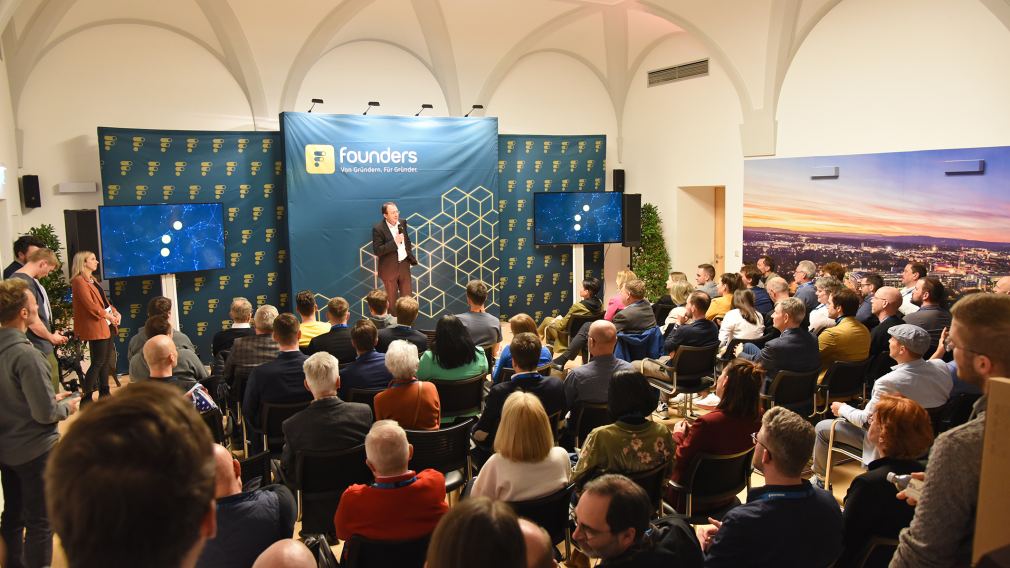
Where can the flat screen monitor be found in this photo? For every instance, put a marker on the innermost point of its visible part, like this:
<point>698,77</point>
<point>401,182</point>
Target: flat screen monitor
<point>567,218</point>
<point>140,240</point>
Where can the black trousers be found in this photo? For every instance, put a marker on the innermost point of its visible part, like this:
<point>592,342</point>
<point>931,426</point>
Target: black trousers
<point>24,524</point>
<point>102,365</point>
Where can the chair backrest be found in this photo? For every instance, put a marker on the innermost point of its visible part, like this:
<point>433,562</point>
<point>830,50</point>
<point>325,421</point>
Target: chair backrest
<point>576,322</point>
<point>360,552</point>
<point>430,334</point>
<point>322,478</point>
<point>489,355</point>
<point>652,480</point>
<point>550,511</point>
<point>587,416</point>
<point>444,450</point>
<point>272,415</point>
<point>256,467</point>
<point>364,396</point>
<point>955,412</point>
<point>718,476</point>
<point>460,397</point>
<point>791,388</point>
<point>544,370</point>
<point>845,378</point>
<point>661,311</point>
<point>878,552</point>
<point>215,421</point>
<point>694,361</point>
<point>506,374</point>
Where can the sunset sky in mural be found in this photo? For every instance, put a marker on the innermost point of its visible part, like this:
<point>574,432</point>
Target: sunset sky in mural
<point>895,194</point>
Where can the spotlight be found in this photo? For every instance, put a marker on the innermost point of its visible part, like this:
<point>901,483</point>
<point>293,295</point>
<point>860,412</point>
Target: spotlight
<point>475,107</point>
<point>424,106</point>
<point>314,103</point>
<point>370,105</point>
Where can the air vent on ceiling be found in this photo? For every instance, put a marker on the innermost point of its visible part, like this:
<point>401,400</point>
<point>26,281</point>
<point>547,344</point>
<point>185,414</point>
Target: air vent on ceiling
<point>678,72</point>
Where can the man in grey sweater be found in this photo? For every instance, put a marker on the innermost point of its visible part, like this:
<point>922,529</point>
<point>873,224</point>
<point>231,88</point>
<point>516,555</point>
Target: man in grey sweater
<point>29,411</point>
<point>943,527</point>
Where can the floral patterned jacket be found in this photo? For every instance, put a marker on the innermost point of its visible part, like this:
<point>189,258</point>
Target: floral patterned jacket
<point>624,448</point>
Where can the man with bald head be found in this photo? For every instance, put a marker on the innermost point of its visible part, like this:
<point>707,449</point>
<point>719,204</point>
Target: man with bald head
<point>187,364</point>
<point>589,383</point>
<point>886,305</point>
<point>1002,286</point>
<point>539,548</point>
<point>162,357</point>
<point>287,553</point>
<point>247,521</point>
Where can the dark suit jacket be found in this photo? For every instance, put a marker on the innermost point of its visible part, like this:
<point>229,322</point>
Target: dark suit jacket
<point>328,424</point>
<point>407,333</point>
<point>248,353</point>
<point>635,318</point>
<point>762,301</point>
<point>336,342</point>
<point>795,350</point>
<point>281,380</point>
<point>879,339</point>
<point>367,372</point>
<point>225,338</point>
<point>384,248</point>
<point>549,390</point>
<point>698,333</point>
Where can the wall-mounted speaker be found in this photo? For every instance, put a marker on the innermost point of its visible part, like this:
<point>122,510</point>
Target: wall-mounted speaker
<point>82,233</point>
<point>619,181</point>
<point>31,196</point>
<point>631,214</point>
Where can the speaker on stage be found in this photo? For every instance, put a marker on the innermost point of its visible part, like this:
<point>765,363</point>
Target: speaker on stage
<point>82,233</point>
<point>632,220</point>
<point>619,181</point>
<point>31,196</point>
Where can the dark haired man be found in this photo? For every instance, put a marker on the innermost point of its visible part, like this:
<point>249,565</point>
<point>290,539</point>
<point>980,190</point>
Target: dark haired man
<point>337,341</point>
<point>305,305</point>
<point>391,245</point>
<point>914,271</point>
<point>752,279</point>
<point>281,380</point>
<point>187,365</point>
<point>868,286</point>
<point>158,306</point>
<point>766,265</point>
<point>555,330</point>
<point>406,313</point>
<point>848,340</point>
<point>612,523</point>
<point>23,246</point>
<point>705,277</point>
<point>378,309</point>
<point>932,315</point>
<point>368,371</point>
<point>160,511</point>
<point>484,328</point>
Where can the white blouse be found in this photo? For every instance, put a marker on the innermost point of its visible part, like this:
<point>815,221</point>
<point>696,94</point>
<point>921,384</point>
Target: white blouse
<point>507,480</point>
<point>735,327</point>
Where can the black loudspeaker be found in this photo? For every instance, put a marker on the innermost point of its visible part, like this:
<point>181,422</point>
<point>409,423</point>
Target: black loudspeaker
<point>82,233</point>
<point>631,218</point>
<point>619,181</point>
<point>31,197</point>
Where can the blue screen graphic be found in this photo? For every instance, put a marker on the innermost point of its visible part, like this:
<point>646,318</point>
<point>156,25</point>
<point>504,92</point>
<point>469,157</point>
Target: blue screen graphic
<point>577,218</point>
<point>139,240</point>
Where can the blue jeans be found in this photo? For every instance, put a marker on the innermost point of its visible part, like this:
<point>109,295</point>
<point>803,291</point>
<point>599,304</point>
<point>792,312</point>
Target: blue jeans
<point>25,511</point>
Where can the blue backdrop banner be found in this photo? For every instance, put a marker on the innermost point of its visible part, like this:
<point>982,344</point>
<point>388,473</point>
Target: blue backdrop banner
<point>441,172</point>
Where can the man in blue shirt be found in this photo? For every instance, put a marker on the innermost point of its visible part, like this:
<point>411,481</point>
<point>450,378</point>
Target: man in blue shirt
<point>803,276</point>
<point>786,523</point>
<point>369,370</point>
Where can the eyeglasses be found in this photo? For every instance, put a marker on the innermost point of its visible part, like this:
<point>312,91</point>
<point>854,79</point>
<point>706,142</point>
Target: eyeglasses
<point>754,438</point>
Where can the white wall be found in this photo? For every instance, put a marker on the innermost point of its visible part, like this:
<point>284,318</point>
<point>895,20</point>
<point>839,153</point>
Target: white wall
<point>9,198</point>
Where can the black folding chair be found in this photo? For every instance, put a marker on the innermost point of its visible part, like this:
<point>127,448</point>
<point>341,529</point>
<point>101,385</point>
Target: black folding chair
<point>689,371</point>
<point>256,471</point>
<point>361,552</point>
<point>552,513</point>
<point>321,478</point>
<point>272,415</point>
<point>714,478</point>
<point>587,416</point>
<point>215,421</point>
<point>654,482</point>
<point>575,323</point>
<point>446,450</point>
<point>364,396</point>
<point>460,398</point>
<point>792,390</point>
<point>843,381</point>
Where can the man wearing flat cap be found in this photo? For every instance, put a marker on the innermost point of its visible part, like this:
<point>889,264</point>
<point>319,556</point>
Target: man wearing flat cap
<point>926,382</point>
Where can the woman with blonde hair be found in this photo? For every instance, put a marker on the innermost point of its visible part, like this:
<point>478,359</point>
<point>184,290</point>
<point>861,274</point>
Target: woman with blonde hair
<point>95,321</point>
<point>519,323</point>
<point>526,463</point>
<point>615,303</point>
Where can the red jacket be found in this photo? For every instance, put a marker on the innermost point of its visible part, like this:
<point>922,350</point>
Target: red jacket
<point>713,433</point>
<point>392,513</point>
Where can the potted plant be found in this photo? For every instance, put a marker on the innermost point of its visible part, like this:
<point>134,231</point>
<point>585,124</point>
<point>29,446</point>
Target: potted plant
<point>650,260</point>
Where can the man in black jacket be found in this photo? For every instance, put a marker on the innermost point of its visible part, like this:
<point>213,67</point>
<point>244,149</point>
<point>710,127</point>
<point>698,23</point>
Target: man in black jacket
<point>406,313</point>
<point>337,341</point>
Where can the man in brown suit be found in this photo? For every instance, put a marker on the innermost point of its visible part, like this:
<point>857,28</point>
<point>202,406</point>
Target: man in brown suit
<point>392,247</point>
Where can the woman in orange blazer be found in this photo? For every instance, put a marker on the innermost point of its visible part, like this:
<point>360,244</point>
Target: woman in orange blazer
<point>95,321</point>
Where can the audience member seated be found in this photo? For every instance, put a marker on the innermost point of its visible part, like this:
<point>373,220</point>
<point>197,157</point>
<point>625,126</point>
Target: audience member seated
<point>848,340</point>
<point>671,280</point>
<point>705,278</point>
<point>519,323</point>
<point>766,265</point>
<point>410,402</point>
<point>617,301</point>
<point>722,302</point>
<point>248,522</point>
<point>554,331</point>
<point>368,371</point>
<point>885,304</point>
<point>820,320</point>
<point>526,464</point>
<point>793,350</point>
<point>744,321</point>
<point>612,524</point>
<point>525,349</point>
<point>162,358</point>
<point>241,314</point>
<point>633,443</point>
<point>279,381</point>
<point>725,430</point>
<point>401,504</point>
<point>926,382</point>
<point>328,424</point>
<point>943,527</point>
<point>869,283</point>
<point>679,292</point>
<point>787,522</point>
<point>305,305</point>
<point>590,383</point>
<point>698,332</point>
<point>249,352</point>
<point>337,341</point>
<point>914,271</point>
<point>900,429</point>
<point>751,277</point>
<point>478,532</point>
<point>187,365</point>
<point>406,313</point>
<point>778,289</point>
<point>453,355</point>
<point>932,315</point>
<point>378,309</point>
<point>484,328</point>
<point>833,270</point>
<point>286,553</point>
<point>158,306</point>
<point>803,278</point>
<point>539,548</point>
<point>635,317</point>
<point>140,465</point>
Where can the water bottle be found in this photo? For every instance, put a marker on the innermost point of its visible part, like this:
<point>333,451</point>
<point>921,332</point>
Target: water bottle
<point>911,486</point>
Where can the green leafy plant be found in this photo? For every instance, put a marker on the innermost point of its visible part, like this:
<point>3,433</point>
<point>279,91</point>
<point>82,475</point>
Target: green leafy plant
<point>58,290</point>
<point>651,261</point>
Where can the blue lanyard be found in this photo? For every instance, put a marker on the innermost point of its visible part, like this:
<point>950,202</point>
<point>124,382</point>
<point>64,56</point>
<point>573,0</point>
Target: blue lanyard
<point>795,494</point>
<point>396,485</point>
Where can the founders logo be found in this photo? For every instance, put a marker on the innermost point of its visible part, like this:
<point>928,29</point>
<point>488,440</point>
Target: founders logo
<point>319,159</point>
